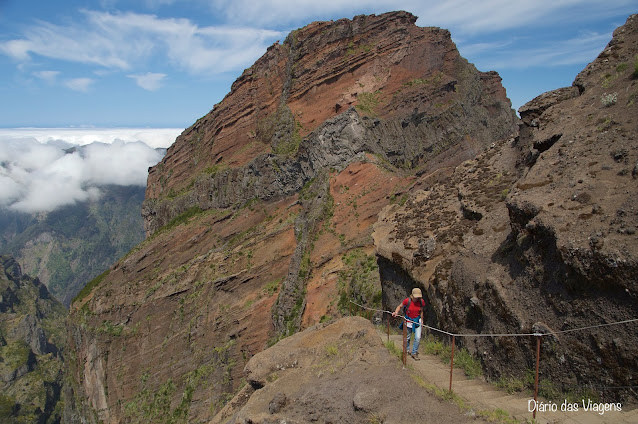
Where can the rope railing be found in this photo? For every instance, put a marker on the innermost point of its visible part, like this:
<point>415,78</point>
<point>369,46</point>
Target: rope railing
<point>455,335</point>
<point>628,321</point>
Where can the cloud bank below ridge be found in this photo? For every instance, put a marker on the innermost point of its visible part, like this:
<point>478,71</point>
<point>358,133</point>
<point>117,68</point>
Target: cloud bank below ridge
<point>40,177</point>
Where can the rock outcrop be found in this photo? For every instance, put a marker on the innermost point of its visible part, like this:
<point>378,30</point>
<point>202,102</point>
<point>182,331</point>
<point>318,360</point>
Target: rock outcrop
<point>340,373</point>
<point>259,218</point>
<point>537,235</point>
<point>31,337</point>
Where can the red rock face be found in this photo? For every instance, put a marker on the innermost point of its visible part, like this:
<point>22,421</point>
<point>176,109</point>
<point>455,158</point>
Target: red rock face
<point>383,65</point>
<point>260,216</point>
<point>228,133</point>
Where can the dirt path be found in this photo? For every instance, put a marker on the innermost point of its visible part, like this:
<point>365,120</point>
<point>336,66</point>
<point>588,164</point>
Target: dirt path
<point>335,373</point>
<point>482,396</point>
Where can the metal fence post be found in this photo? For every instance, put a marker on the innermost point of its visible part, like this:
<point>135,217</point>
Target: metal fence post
<point>405,342</point>
<point>452,363</point>
<point>538,360</point>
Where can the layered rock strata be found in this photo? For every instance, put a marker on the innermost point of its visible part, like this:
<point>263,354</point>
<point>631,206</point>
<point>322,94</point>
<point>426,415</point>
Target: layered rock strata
<point>419,95</point>
<point>259,218</point>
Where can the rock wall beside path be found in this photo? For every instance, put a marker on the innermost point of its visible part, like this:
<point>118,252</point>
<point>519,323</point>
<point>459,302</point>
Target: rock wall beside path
<point>539,234</point>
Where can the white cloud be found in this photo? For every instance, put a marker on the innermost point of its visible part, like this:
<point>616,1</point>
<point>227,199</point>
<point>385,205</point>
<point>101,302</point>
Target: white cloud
<point>219,49</point>
<point>48,76</point>
<point>475,49</point>
<point>38,177</point>
<point>149,81</point>
<point>79,84</point>
<point>119,163</point>
<point>65,137</point>
<point>460,16</point>
<point>286,12</point>
<point>154,4</point>
<point>72,43</point>
<point>581,49</point>
<point>29,156</point>
<point>470,16</point>
<point>9,189</point>
<point>18,49</point>
<point>125,40</point>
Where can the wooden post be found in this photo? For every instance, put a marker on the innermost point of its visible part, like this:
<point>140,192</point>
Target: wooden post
<point>452,363</point>
<point>389,318</point>
<point>538,361</point>
<point>405,341</point>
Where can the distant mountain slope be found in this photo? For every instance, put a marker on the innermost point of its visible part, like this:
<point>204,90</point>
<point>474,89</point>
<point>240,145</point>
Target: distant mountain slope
<point>31,337</point>
<point>68,247</point>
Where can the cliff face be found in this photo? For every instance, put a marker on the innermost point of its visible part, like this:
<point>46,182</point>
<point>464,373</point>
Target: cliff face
<point>31,337</point>
<point>419,98</point>
<point>259,218</point>
<point>537,235</point>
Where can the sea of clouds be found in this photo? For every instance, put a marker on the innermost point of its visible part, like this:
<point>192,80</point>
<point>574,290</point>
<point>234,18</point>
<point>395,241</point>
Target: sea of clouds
<point>41,170</point>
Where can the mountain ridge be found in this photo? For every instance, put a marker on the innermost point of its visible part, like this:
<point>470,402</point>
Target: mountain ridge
<point>542,238</point>
<point>375,74</point>
<point>266,217</point>
<point>259,218</point>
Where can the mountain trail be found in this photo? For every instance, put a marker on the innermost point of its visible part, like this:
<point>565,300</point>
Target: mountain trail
<point>494,404</point>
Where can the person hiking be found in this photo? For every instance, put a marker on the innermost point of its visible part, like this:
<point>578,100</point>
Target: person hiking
<point>413,311</point>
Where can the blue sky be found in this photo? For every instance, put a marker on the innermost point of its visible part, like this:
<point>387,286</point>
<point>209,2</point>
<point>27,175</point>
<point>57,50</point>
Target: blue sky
<point>165,63</point>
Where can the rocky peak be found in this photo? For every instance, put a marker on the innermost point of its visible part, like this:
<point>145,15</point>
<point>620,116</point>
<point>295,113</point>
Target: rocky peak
<point>391,71</point>
<point>11,268</point>
<point>580,166</point>
<point>259,219</point>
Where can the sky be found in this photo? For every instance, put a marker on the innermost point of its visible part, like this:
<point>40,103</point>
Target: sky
<point>166,63</point>
<point>122,77</point>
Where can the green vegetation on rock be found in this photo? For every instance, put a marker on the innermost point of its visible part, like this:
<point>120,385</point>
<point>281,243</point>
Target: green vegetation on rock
<point>87,289</point>
<point>31,333</point>
<point>67,247</point>
<point>368,102</point>
<point>359,281</point>
<point>462,358</point>
<point>281,131</point>
<point>181,219</point>
<point>155,406</point>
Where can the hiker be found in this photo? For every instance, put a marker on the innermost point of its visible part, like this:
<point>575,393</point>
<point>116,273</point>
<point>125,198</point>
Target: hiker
<point>413,311</point>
